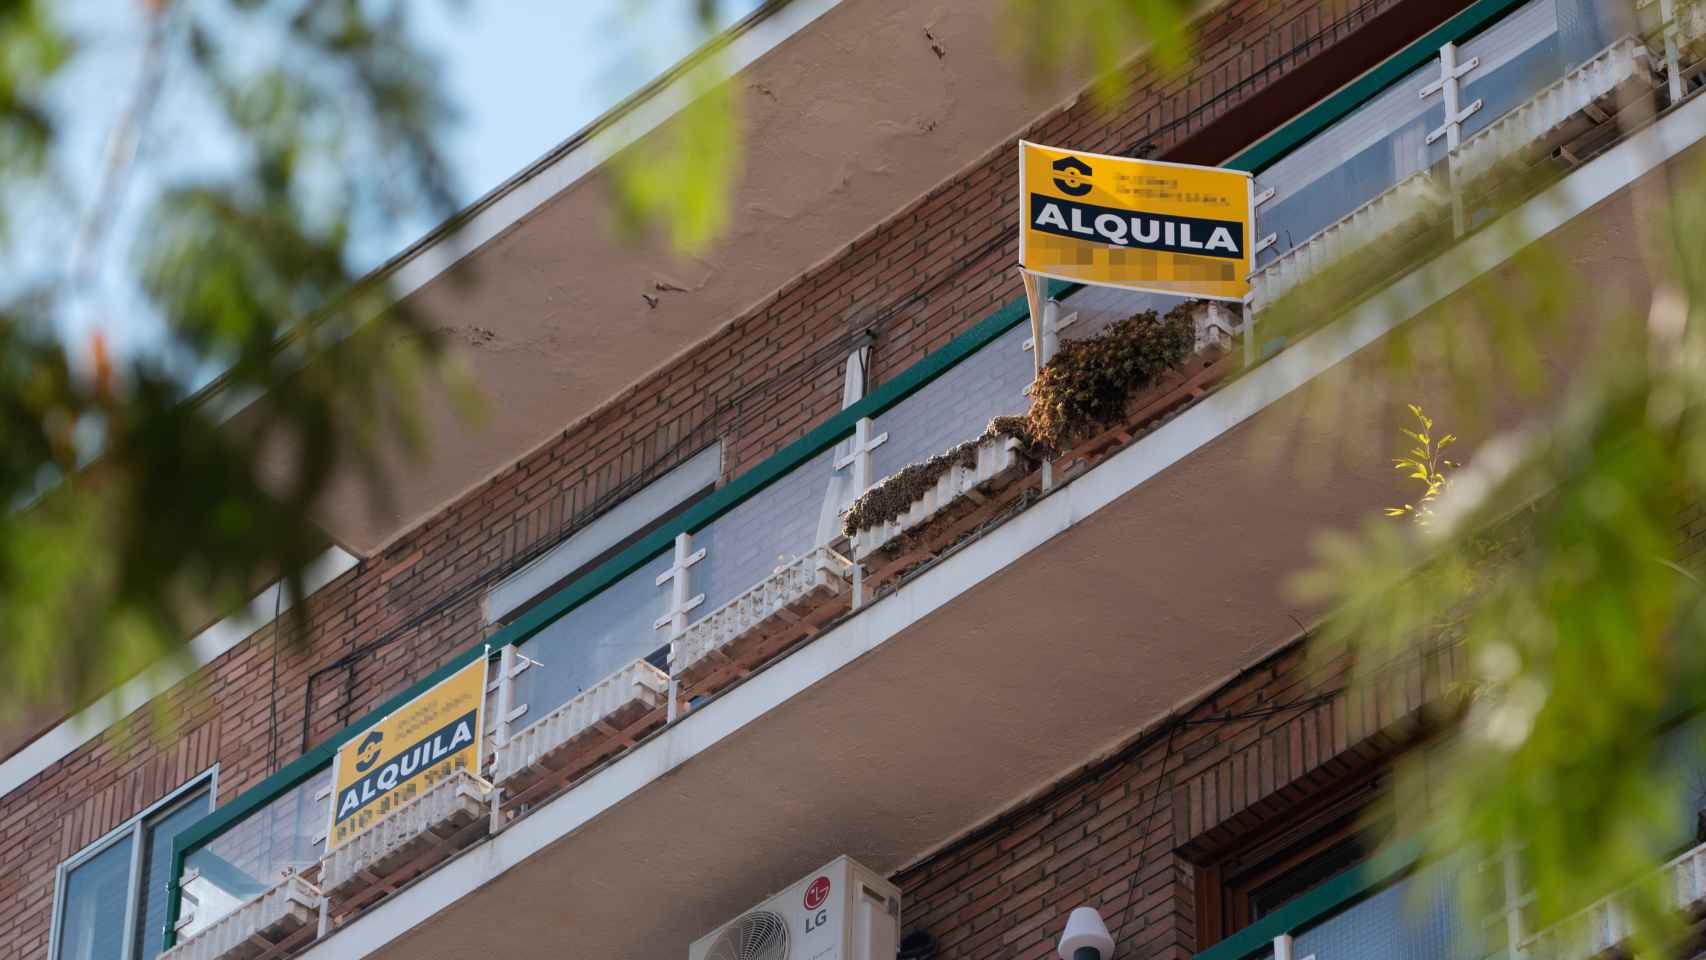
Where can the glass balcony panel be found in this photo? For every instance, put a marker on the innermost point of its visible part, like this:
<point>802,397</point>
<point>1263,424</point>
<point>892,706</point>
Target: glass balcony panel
<point>590,642</point>
<point>1351,162</point>
<point>254,853</point>
<point>958,405</point>
<point>1520,55</point>
<point>1414,919</point>
<point>1098,307</point>
<point>780,523</point>
<point>1585,27</point>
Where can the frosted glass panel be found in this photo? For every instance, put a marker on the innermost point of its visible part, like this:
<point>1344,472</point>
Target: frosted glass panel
<point>593,640</point>
<point>958,405</point>
<point>254,853</point>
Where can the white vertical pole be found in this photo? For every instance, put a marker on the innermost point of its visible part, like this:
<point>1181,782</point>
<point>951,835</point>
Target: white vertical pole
<point>1513,902</point>
<point>1453,129</point>
<point>506,695</point>
<point>1282,947</point>
<point>1048,343</point>
<point>1673,56</point>
<point>680,604</point>
<point>500,729</point>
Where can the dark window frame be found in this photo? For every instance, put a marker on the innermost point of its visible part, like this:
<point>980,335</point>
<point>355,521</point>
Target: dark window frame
<point>1326,831</point>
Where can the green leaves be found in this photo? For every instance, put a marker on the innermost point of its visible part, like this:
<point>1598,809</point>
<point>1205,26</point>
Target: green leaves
<point>1561,565</point>
<point>1425,463</point>
<point>1101,39</point>
<point>108,565</point>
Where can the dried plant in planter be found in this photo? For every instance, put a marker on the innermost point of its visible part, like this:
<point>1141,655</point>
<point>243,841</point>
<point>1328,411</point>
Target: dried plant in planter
<point>1086,384</point>
<point>1083,388</point>
<point>893,495</point>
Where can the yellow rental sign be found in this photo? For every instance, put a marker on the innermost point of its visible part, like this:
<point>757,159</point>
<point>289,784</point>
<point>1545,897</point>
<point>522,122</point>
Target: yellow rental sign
<point>393,761</point>
<point>1142,224</point>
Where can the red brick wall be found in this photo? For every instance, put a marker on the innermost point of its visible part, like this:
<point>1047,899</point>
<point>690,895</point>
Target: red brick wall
<point>919,279</point>
<point>1110,836</point>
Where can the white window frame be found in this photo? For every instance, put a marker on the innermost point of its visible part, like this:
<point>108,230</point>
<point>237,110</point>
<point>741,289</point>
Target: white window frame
<point>656,499</point>
<point>133,830</point>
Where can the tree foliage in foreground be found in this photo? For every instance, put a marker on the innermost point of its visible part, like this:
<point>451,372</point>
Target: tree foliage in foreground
<point>1563,559</point>
<point>132,515</point>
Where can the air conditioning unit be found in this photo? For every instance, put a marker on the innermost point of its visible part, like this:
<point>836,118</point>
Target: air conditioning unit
<point>841,912</point>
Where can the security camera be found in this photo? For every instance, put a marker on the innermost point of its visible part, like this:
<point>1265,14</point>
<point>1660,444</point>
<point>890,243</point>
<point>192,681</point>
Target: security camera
<point>1086,937</point>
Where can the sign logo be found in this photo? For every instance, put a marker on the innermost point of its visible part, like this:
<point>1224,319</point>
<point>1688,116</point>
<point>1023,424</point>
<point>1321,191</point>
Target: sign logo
<point>393,761</point>
<point>367,754</point>
<point>1140,224</point>
<point>817,892</point>
<point>1074,180</point>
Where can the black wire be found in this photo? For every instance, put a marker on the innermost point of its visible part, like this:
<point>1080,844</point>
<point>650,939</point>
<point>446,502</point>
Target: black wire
<point>272,699</point>
<point>1143,840</point>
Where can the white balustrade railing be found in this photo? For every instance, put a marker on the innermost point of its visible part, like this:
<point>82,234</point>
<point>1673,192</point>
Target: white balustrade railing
<point>1606,924</point>
<point>452,804</point>
<point>1557,113</point>
<point>818,571</point>
<point>269,920</point>
<point>1415,199</point>
<point>637,686</point>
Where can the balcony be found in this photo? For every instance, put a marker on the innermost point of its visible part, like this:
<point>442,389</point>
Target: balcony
<point>879,695</point>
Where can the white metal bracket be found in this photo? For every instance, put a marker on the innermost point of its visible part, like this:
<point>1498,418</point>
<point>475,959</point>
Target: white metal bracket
<point>1450,73</point>
<point>1067,321</point>
<point>1267,242</point>
<point>859,455</point>
<point>1454,124</point>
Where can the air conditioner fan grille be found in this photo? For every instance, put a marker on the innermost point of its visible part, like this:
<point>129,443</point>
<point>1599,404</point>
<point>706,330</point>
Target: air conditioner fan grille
<point>760,935</point>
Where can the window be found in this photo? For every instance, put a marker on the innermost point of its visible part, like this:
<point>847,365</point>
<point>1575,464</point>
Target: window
<point>1274,865</point>
<point>110,899</point>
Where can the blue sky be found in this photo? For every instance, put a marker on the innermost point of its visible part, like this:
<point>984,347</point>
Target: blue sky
<point>528,73</point>
<point>524,75</point>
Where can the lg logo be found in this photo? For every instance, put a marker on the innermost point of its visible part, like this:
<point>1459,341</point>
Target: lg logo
<point>817,893</point>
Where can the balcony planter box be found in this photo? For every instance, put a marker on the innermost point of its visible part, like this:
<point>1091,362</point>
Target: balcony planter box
<point>1572,119</point>
<point>600,721</point>
<point>1171,393</point>
<point>449,816</point>
<point>278,920</point>
<point>971,484</point>
<point>784,608</point>
<point>928,507</point>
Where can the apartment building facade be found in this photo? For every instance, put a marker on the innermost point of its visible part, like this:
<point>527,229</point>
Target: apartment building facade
<point>1026,683</point>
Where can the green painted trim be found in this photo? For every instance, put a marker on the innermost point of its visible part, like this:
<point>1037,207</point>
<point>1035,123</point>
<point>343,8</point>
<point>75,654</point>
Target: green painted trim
<point>1318,905</point>
<point>1275,145</point>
